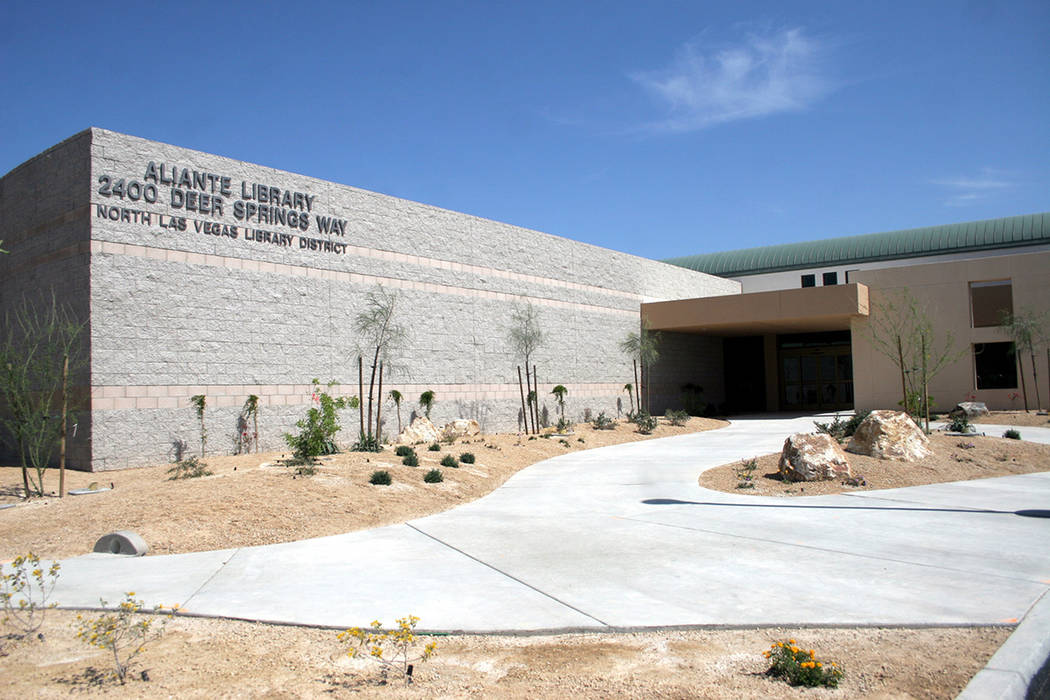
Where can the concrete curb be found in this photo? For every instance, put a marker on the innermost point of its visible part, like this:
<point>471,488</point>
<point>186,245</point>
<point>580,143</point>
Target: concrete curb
<point>1021,667</point>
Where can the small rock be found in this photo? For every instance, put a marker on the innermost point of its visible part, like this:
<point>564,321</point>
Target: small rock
<point>970,409</point>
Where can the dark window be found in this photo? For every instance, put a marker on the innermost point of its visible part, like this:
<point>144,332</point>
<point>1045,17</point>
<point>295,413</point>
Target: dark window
<point>995,365</point>
<point>809,280</point>
<point>989,302</point>
<point>831,278</point>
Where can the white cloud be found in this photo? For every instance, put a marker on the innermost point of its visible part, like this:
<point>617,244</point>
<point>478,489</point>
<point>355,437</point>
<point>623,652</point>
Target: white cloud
<point>765,74</point>
<point>965,189</point>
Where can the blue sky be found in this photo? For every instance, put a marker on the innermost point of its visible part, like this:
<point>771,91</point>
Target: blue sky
<point>660,128</point>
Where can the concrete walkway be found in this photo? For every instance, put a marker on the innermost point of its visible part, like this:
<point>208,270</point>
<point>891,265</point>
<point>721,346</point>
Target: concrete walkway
<point>623,537</point>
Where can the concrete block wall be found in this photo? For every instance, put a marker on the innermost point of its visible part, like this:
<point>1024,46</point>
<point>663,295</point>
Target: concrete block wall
<point>45,228</point>
<point>183,310</point>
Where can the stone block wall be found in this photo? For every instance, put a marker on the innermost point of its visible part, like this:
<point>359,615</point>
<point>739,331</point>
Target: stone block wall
<point>45,228</point>
<point>201,301</point>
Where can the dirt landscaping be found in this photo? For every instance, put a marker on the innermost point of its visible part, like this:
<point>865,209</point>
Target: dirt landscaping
<point>253,499</point>
<point>954,458</point>
<point>232,659</point>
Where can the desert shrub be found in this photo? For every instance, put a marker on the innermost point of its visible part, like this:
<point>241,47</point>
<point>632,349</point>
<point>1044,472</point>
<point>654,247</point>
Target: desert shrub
<point>603,422</point>
<point>646,423</point>
<point>586,415</point>
<point>366,443</point>
<point>854,422</point>
<point>676,418</point>
<point>959,423</point>
<point>410,460</point>
<point>306,469</point>
<point>317,430</point>
<point>564,425</point>
<point>745,474</point>
<point>124,632</point>
<point>393,650</point>
<point>800,667</point>
<point>467,458</point>
<point>433,476</point>
<point>450,461</point>
<point>434,447</point>
<point>1012,434</point>
<point>564,442</point>
<point>404,451</point>
<point>380,477</point>
<point>189,468</point>
<point>836,428</point>
<point>24,593</point>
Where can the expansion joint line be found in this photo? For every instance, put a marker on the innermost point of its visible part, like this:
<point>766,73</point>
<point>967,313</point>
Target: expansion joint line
<point>211,578</point>
<point>511,577</point>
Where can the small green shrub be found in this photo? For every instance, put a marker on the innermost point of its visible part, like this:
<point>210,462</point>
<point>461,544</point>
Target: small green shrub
<point>564,442</point>
<point>433,476</point>
<point>366,443</point>
<point>380,477</point>
<point>646,423</point>
<point>836,428</point>
<point>676,418</point>
<point>800,667</point>
<point>467,458</point>
<point>434,447</point>
<point>450,461</point>
<point>603,422</point>
<point>959,423</point>
<point>1012,434</point>
<point>854,422</point>
<point>189,468</point>
<point>745,474</point>
<point>410,460</point>
<point>404,451</point>
<point>564,425</point>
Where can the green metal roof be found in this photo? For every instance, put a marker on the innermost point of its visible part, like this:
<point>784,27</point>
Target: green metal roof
<point>1009,232</point>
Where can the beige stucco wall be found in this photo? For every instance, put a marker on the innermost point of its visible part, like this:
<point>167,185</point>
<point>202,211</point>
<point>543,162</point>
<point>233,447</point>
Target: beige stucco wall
<point>943,290</point>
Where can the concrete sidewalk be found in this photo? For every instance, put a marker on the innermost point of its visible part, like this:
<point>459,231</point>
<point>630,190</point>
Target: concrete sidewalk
<point>623,537</point>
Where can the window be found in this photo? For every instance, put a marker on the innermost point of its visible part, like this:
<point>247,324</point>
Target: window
<point>989,301</point>
<point>831,278</point>
<point>809,280</point>
<point>995,365</point>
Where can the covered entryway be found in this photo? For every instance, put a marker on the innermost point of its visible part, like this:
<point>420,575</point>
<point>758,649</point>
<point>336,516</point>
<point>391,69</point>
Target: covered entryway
<point>784,350</point>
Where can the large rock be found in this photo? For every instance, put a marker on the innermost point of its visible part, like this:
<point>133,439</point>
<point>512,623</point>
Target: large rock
<point>421,430</point>
<point>461,427</point>
<point>890,435</point>
<point>970,409</point>
<point>813,457</point>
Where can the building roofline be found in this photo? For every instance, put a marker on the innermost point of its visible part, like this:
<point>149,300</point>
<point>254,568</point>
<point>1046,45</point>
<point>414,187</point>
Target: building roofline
<point>987,234</point>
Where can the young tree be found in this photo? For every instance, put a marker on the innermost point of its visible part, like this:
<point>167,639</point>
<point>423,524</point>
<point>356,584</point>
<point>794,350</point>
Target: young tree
<point>559,393</point>
<point>40,347</point>
<point>1028,330</point>
<point>901,330</point>
<point>199,402</point>
<point>629,388</point>
<point>526,336</point>
<point>383,336</point>
<point>426,402</point>
<point>643,348</point>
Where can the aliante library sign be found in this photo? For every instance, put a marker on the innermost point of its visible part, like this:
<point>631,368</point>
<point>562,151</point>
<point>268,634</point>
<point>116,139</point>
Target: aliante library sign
<point>213,204</point>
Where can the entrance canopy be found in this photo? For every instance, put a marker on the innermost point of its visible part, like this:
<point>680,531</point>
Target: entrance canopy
<point>803,310</point>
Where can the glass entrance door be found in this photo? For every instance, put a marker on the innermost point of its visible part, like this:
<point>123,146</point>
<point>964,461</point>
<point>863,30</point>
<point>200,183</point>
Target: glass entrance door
<point>816,376</point>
